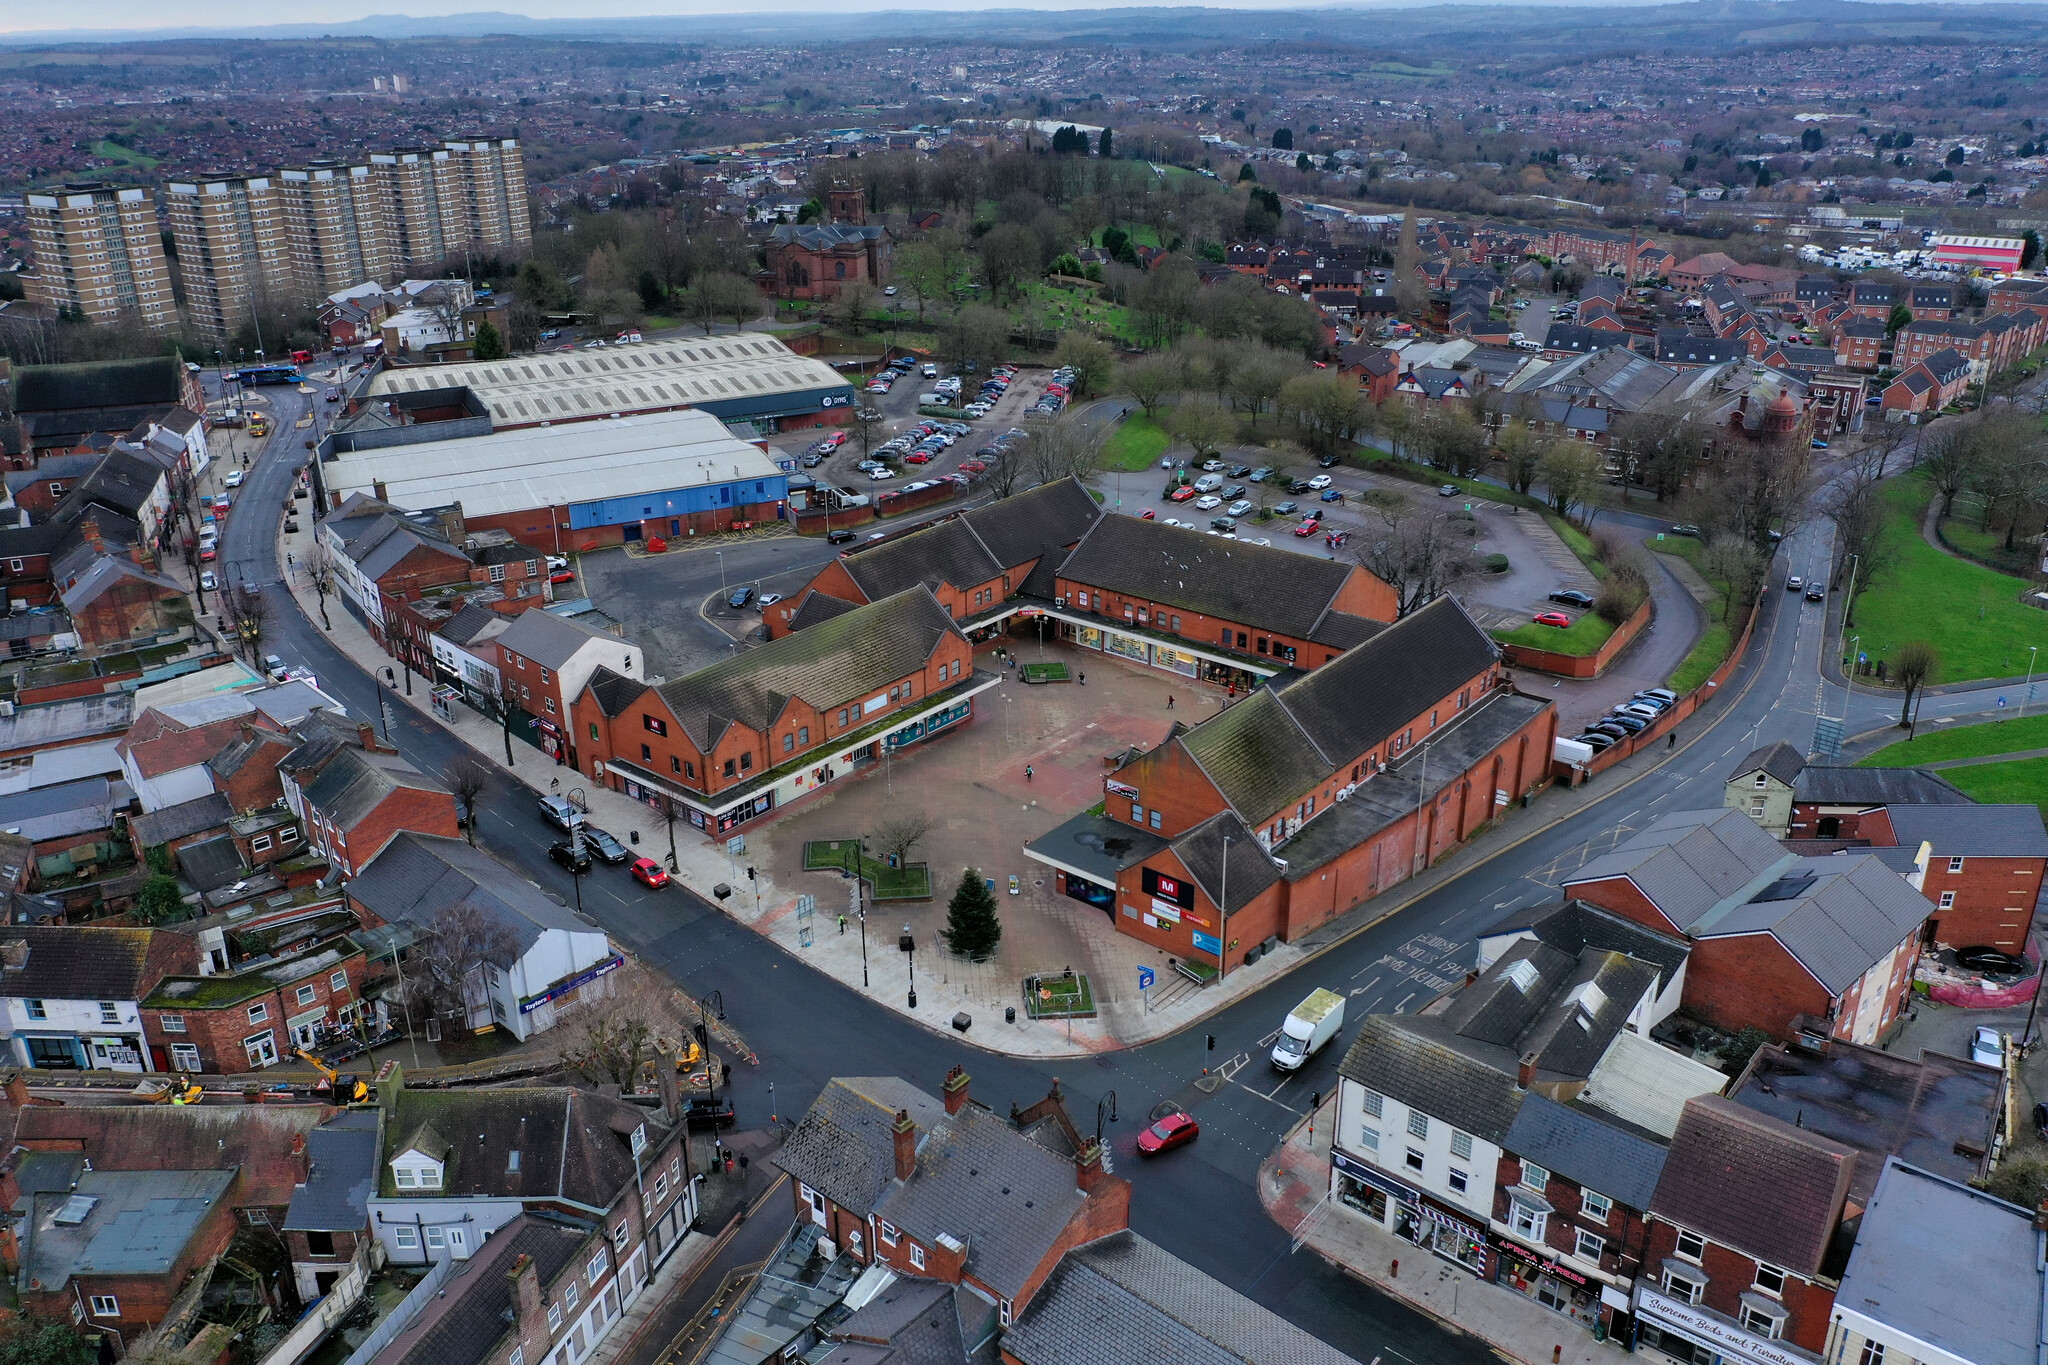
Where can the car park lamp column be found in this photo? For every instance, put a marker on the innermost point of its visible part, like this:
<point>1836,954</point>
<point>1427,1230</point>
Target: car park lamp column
<point>1222,918</point>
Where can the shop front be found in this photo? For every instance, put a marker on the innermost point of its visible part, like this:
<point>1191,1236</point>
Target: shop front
<point>1409,1213</point>
<point>1548,1281</point>
<point>1088,892</point>
<point>1694,1334</point>
<point>1186,662</point>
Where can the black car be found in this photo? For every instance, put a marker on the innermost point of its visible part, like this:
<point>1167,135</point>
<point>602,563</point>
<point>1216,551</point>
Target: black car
<point>838,537</point>
<point>740,597</point>
<point>567,855</point>
<point>1238,471</point>
<point>1597,740</point>
<point>605,846</point>
<point>1329,462</point>
<point>1299,486</point>
<point>702,1112</point>
<point>1232,492</point>
<point>1610,728</point>
<point>1572,597</point>
<point>1984,959</point>
<point>1286,509</point>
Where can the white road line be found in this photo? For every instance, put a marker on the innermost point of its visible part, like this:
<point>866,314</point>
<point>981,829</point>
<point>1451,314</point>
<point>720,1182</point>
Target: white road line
<point>1404,1002</point>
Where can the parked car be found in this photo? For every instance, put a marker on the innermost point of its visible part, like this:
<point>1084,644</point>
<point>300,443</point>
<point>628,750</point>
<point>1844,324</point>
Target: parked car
<point>209,580</point>
<point>1175,1130</point>
<point>1635,725</point>
<point>233,479</point>
<point>566,853</point>
<point>768,599</point>
<point>1222,524</point>
<point>1449,490</point>
<point>1240,508</point>
<point>1686,528</point>
<point>1286,509</point>
<point>1207,501</point>
<point>605,846</point>
<point>1184,493</point>
<point>1986,1047</point>
<point>1986,959</point>
<point>1305,530</point>
<point>1262,473</point>
<point>649,873</point>
<point>1333,495</point>
<point>1663,694</point>
<point>838,537</point>
<point>1596,740</point>
<point>741,595</point>
<point>702,1113</point>
<point>557,811</point>
<point>1552,618</point>
<point>1320,481</point>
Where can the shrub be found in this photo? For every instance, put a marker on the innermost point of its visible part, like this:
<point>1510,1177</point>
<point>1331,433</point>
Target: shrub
<point>1495,563</point>
<point>1619,596</point>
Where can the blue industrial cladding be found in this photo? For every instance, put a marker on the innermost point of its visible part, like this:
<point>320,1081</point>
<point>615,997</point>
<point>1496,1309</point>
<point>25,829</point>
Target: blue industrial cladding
<point>680,502</point>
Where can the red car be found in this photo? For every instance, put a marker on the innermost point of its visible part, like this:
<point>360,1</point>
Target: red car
<point>1305,530</point>
<point>1175,1130</point>
<point>973,467</point>
<point>1184,493</point>
<point>1552,618</point>
<point>562,576</point>
<point>649,873</point>
<point>1148,515</point>
<point>917,457</point>
<point>836,439</point>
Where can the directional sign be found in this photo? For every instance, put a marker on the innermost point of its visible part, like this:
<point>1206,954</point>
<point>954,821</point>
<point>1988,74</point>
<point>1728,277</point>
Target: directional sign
<point>1145,978</point>
<point>736,845</point>
<point>1827,736</point>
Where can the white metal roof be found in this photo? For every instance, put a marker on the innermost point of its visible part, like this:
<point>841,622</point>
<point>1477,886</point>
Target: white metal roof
<point>635,377</point>
<point>576,462</point>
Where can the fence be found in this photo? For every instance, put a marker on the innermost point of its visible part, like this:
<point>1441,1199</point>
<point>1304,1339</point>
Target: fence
<point>313,1328</point>
<point>410,1307</point>
<point>1686,705</point>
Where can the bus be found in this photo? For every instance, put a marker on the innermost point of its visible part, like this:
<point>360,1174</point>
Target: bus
<point>269,374</point>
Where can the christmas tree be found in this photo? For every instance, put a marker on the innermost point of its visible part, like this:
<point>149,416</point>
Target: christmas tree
<point>972,929</point>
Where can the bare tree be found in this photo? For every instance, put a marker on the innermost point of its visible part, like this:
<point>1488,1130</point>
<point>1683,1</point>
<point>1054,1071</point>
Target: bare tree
<point>502,705</point>
<point>633,1021</point>
<point>852,304</point>
<point>1152,380</point>
<point>320,576</point>
<point>1420,554</point>
<point>1756,488</point>
<point>469,779</point>
<point>1005,470</point>
<point>1950,456</point>
<point>242,614</point>
<point>902,831</point>
<point>1065,447</point>
<point>1854,502</point>
<point>1326,407</point>
<point>1915,662</point>
<point>1742,565</point>
<point>1570,471</point>
<point>462,940</point>
<point>1206,427</point>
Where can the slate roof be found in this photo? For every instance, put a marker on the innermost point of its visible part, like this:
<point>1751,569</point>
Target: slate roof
<point>827,665</point>
<point>65,811</point>
<point>614,692</point>
<point>1267,750</point>
<point>1755,1183</point>
<point>1415,1060</point>
<point>572,1144</point>
<point>1284,592</point>
<point>1572,926</point>
<point>817,607</point>
<point>1986,1302</point>
<point>1681,346</point>
<point>1600,1154</point>
<point>466,1325</point>
<point>210,811</point>
<point>947,553</point>
<point>416,876</point>
<point>464,626</point>
<point>342,1153</point>
<point>96,384</point>
<point>1838,921</point>
<point>1689,861</point>
<point>844,1146</point>
<point>1122,1299</point>
<point>1781,760</point>
<point>1025,525</point>
<point>1972,831</point>
<point>549,640</point>
<point>79,962</point>
<point>210,864</point>
<point>1828,785</point>
<point>1202,851</point>
<point>356,781</point>
<point>1569,336</point>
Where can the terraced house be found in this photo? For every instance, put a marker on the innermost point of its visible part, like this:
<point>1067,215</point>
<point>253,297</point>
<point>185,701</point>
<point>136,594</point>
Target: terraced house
<point>1310,795</point>
<point>730,743</point>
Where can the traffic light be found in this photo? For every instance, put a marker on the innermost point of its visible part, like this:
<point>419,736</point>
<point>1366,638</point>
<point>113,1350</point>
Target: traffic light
<point>750,874</point>
<point>1212,1042</point>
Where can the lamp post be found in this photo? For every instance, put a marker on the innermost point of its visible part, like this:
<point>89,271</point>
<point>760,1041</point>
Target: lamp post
<point>719,555</point>
<point>910,950</point>
<point>1223,917</point>
<point>2033,655</point>
<point>1855,655</point>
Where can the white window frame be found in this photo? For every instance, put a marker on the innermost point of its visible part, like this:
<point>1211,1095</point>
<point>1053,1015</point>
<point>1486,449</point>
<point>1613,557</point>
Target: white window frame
<point>916,1256</point>
<point>185,1057</point>
<point>338,982</point>
<point>1760,1323</point>
<point>888,1231</point>
<point>1589,1246</point>
<point>1373,1103</point>
<point>1461,1144</point>
<point>1948,900</point>
<point>1457,1180</point>
<point>258,1013</point>
<point>1685,1235</point>
<point>1369,1139</point>
<point>1541,1177</point>
<point>110,1013</point>
<point>171,1023</point>
<point>1527,1220</point>
<point>554,1318</point>
<point>106,1306</point>
<point>1418,1124</point>
<point>1763,1285</point>
<point>1594,1204</point>
<point>1955,864</point>
<point>306,995</point>
<point>1414,1159</point>
<point>1693,1290</point>
<point>405,1238</point>
<point>595,1270</point>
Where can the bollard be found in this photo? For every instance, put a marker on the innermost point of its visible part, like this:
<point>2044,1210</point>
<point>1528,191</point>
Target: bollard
<point>1556,1354</point>
<point>1394,1273</point>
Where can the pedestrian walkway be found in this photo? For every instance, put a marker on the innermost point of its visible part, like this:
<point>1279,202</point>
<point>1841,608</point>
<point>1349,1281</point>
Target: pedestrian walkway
<point>770,905</point>
<point>1294,1184</point>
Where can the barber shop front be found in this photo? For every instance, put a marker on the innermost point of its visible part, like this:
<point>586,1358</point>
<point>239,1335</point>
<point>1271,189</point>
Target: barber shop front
<point>1410,1214</point>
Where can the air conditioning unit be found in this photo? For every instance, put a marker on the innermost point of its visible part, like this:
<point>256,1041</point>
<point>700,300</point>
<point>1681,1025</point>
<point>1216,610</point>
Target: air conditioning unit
<point>828,1249</point>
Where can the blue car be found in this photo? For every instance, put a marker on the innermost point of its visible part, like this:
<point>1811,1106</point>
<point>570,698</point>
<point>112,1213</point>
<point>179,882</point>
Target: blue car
<point>1333,495</point>
<point>740,597</point>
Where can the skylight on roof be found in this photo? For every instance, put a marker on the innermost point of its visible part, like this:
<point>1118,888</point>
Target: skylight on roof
<point>1522,973</point>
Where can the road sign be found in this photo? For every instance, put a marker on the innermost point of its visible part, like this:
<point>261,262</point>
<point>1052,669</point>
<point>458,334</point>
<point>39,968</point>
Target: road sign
<point>736,845</point>
<point>1827,736</point>
<point>1145,978</point>
<point>1862,658</point>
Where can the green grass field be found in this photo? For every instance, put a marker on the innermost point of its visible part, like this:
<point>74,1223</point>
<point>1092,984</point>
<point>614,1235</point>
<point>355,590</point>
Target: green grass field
<point>127,156</point>
<point>2021,782</point>
<point>1135,445</point>
<point>1963,741</point>
<point>1583,636</point>
<point>1712,647</point>
<point>911,882</point>
<point>1972,616</point>
<point>1059,997</point>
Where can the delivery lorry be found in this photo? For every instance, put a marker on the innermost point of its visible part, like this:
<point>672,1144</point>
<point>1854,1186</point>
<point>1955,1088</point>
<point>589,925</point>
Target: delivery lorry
<point>1309,1025</point>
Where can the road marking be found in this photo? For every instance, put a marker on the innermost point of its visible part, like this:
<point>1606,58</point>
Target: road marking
<point>1404,1002</point>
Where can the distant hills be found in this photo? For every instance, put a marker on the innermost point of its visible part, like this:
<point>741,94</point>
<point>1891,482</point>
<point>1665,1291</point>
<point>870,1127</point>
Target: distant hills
<point>1550,28</point>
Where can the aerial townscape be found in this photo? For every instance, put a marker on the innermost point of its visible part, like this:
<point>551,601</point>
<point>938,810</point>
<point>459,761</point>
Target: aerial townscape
<point>1442,868</point>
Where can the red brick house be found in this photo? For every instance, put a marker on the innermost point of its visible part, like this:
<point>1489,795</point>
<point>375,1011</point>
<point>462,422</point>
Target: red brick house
<point>1919,340</point>
<point>1742,1247</point>
<point>1293,805</point>
<point>1376,369</point>
<point>1774,935</point>
<point>234,1022</point>
<point>1983,870</point>
<point>1859,344</point>
<point>1928,385</point>
<point>352,801</point>
<point>817,260</point>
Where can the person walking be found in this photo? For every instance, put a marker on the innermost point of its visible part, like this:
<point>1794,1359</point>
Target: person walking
<point>1673,742</point>
<point>1027,772</point>
<point>842,924</point>
<point>1169,701</point>
<point>1084,680</point>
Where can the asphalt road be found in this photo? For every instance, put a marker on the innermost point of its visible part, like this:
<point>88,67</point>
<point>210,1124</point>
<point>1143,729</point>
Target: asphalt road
<point>1199,1202</point>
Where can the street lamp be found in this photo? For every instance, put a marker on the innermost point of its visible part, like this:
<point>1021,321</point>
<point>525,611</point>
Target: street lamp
<point>2033,653</point>
<point>1222,920</point>
<point>710,1006</point>
<point>719,555</point>
<point>910,948</point>
<point>860,901</point>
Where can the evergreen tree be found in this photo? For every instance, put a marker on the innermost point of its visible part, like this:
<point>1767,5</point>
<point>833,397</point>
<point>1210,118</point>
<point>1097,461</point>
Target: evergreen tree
<point>972,929</point>
<point>159,902</point>
<point>490,344</point>
<point>1102,145</point>
<point>1245,172</point>
<point>1283,139</point>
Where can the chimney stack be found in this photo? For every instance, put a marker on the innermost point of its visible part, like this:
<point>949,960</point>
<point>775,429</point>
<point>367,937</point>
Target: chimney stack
<point>1092,1175</point>
<point>1525,1070</point>
<point>906,1145</point>
<point>665,1083</point>
<point>298,1144</point>
<point>17,1093</point>
<point>526,1306</point>
<point>955,1089</point>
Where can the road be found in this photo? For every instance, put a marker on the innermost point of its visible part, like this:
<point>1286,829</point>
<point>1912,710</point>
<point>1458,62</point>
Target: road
<point>1199,1202</point>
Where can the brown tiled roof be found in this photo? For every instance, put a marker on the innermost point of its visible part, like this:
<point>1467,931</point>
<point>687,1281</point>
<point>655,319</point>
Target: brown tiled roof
<point>1755,1183</point>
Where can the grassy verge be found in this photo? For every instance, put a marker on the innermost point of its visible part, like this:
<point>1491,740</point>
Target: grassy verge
<point>1985,547</point>
<point>1971,615</point>
<point>1044,673</point>
<point>1963,741</point>
<point>910,882</point>
<point>1136,444</point>
<point>1583,636</point>
<point>2022,782</point>
<point>1059,997</point>
<point>1711,649</point>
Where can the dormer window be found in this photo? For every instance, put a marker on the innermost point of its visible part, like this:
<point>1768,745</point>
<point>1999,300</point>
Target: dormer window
<point>415,1170</point>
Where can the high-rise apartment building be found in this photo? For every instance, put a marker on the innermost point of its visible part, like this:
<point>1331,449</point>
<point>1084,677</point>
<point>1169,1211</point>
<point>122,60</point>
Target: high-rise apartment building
<point>100,253</point>
<point>318,229</point>
<point>231,248</point>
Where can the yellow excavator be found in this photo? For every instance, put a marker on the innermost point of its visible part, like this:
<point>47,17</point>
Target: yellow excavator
<point>346,1089</point>
<point>179,1089</point>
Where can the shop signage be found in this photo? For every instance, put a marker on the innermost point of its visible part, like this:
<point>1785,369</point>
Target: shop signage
<point>1166,910</point>
<point>1207,943</point>
<point>1457,1225</point>
<point>1123,789</point>
<point>562,988</point>
<point>1375,1177</point>
<point>1711,1330</point>
<point>1546,1264</point>
<point>1167,888</point>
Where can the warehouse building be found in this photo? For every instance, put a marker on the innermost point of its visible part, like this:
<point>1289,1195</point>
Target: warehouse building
<point>655,476</point>
<point>742,377</point>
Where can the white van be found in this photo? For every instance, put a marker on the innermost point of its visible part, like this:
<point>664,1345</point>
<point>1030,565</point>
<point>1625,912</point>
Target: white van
<point>1208,483</point>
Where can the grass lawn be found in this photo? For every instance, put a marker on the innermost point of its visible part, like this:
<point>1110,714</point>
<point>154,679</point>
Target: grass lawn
<point>127,156</point>
<point>1963,741</point>
<point>1988,547</point>
<point>1084,306</point>
<point>1045,673</point>
<point>910,882</point>
<point>1141,234</point>
<point>1711,649</point>
<point>1058,997</point>
<point>2019,783</point>
<point>1583,636</point>
<point>1135,445</point>
<point>1972,616</point>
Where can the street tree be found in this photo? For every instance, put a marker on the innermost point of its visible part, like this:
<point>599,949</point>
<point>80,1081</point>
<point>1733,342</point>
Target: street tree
<point>1912,665</point>
<point>1092,361</point>
<point>1570,471</point>
<point>634,1021</point>
<point>1152,380</point>
<point>852,304</point>
<point>921,269</point>
<point>1854,502</point>
<point>320,577</point>
<point>1261,373</point>
<point>1204,426</point>
<point>445,971</point>
<point>242,614</point>
<point>1419,552</point>
<point>469,779</point>
<point>1326,406</point>
<point>972,928</point>
<point>501,703</point>
<point>1065,447</point>
<point>902,831</point>
<point>1741,565</point>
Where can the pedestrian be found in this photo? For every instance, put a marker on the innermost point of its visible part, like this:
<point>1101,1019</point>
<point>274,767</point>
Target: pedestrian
<point>1673,744</point>
<point>1169,701</point>
<point>1027,772</point>
<point>1084,680</point>
<point>842,924</point>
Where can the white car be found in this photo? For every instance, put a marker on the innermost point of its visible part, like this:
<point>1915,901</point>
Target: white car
<point>889,292</point>
<point>1320,481</point>
<point>1986,1047</point>
<point>557,562</point>
<point>880,474</point>
<point>1208,502</point>
<point>233,479</point>
<point>210,581</point>
<point>767,600</point>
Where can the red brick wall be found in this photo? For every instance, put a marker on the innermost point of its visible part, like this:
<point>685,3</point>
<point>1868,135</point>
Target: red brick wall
<point>1875,825</point>
<point>1732,1274</point>
<point>1994,900</point>
<point>1361,595</point>
<point>218,1033</point>
<point>1623,1229</point>
<point>408,808</point>
<point>1621,895</point>
<point>1107,1211</point>
<point>1252,924</point>
<point>1735,983</point>
<point>1168,781</point>
<point>143,1300</point>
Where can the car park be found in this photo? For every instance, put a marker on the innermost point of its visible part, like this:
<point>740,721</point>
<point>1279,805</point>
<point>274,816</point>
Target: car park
<point>1184,493</point>
<point>1298,487</point>
<point>1235,490</point>
<point>1552,618</point>
<point>918,457</point>
<point>1240,508</point>
<point>878,475</point>
<point>1449,490</point>
<point>1330,461</point>
<point>1663,694</point>
<point>1632,724</point>
<point>1207,501</point>
<point>1572,597</point>
<point>1595,741</point>
<point>1333,495</point>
